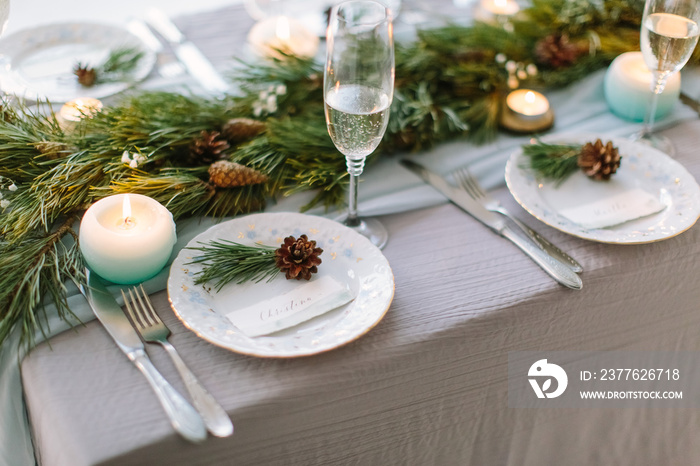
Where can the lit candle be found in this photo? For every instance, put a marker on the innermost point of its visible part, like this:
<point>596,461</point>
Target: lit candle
<point>500,7</point>
<point>77,109</point>
<point>280,33</point>
<point>527,103</point>
<point>628,92</point>
<point>127,238</point>
<point>526,111</point>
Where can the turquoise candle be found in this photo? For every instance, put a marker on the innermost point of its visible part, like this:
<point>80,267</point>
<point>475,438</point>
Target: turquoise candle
<point>628,88</point>
<point>127,238</point>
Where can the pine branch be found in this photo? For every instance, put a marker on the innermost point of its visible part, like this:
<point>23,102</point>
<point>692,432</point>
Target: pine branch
<point>227,261</point>
<point>23,282</point>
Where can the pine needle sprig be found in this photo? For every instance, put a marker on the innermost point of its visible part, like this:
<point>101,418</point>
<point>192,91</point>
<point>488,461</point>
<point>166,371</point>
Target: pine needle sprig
<point>24,283</point>
<point>181,191</point>
<point>226,261</point>
<point>120,62</point>
<point>553,161</point>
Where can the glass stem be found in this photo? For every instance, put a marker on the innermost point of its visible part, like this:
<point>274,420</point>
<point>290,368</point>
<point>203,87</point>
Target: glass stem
<point>658,84</point>
<point>355,168</point>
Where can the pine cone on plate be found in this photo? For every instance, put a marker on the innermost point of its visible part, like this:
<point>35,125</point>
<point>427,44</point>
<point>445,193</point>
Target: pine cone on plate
<point>298,258</point>
<point>227,174</point>
<point>557,51</point>
<point>207,148</point>
<point>599,161</point>
<point>86,75</point>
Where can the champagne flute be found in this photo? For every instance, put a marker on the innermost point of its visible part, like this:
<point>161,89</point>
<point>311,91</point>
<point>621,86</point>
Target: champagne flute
<point>668,37</point>
<point>358,87</point>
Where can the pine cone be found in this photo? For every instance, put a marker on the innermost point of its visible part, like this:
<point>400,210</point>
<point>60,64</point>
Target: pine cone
<point>207,148</point>
<point>226,174</point>
<point>298,258</point>
<point>242,129</point>
<point>86,76</point>
<point>52,150</point>
<point>556,51</point>
<point>599,161</point>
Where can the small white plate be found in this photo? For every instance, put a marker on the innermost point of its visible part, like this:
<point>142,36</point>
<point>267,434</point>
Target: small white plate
<point>347,257</point>
<point>38,63</point>
<point>642,167</point>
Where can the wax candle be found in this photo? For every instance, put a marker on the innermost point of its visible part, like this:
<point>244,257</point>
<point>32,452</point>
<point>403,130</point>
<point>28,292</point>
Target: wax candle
<point>280,33</point>
<point>527,103</point>
<point>627,88</point>
<point>127,238</point>
<point>79,108</point>
<point>525,110</point>
<point>500,7</point>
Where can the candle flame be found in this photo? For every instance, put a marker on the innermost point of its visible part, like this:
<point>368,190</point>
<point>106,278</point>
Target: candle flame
<point>126,207</point>
<point>127,222</point>
<point>530,97</point>
<point>500,3</point>
<point>282,28</point>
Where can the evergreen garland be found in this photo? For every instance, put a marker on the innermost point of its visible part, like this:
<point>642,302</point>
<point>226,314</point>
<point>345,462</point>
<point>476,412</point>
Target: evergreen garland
<point>450,83</point>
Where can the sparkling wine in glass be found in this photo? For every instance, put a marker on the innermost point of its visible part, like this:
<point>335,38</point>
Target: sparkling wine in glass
<point>358,87</point>
<point>668,37</point>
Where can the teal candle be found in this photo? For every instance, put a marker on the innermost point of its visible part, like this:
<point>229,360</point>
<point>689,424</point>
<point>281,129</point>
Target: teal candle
<point>628,88</point>
<point>127,238</point>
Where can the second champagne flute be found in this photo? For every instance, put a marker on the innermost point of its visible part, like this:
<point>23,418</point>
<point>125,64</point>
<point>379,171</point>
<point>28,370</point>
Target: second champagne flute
<point>358,87</point>
<point>668,36</point>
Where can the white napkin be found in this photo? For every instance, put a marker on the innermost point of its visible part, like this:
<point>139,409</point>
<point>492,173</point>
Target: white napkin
<point>303,302</point>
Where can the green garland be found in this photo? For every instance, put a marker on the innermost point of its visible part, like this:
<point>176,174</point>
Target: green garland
<point>449,83</point>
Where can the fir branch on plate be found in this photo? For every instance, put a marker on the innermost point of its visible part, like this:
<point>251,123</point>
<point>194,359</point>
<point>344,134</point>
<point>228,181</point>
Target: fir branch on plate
<point>553,161</point>
<point>226,261</point>
<point>120,63</point>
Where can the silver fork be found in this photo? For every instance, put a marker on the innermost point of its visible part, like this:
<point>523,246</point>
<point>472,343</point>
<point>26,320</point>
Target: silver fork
<point>153,330</point>
<point>476,192</point>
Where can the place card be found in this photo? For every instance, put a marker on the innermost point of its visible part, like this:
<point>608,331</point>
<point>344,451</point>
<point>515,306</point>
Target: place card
<point>619,208</point>
<point>304,302</point>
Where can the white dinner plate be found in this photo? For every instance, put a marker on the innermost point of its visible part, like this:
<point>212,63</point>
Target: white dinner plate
<point>38,63</point>
<point>641,167</point>
<point>347,257</point>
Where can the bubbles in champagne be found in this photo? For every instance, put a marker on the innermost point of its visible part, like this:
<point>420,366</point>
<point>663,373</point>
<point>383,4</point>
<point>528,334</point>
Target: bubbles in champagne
<point>668,41</point>
<point>357,117</point>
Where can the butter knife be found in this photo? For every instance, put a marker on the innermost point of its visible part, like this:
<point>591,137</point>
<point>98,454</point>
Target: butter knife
<point>557,270</point>
<point>191,57</point>
<point>183,417</point>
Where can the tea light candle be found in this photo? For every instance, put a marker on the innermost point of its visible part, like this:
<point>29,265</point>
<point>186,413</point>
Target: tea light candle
<point>280,33</point>
<point>500,7</point>
<point>127,238</point>
<point>627,88</point>
<point>77,109</point>
<point>526,110</point>
<point>495,10</point>
<point>527,103</point>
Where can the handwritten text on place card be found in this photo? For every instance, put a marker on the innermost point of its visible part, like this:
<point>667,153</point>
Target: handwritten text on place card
<point>304,302</point>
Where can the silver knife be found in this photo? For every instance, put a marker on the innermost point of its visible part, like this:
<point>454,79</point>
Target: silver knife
<point>183,417</point>
<point>557,270</point>
<point>194,60</point>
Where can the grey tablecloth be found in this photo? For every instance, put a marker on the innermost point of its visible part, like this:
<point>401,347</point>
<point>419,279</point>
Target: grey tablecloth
<point>427,386</point>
